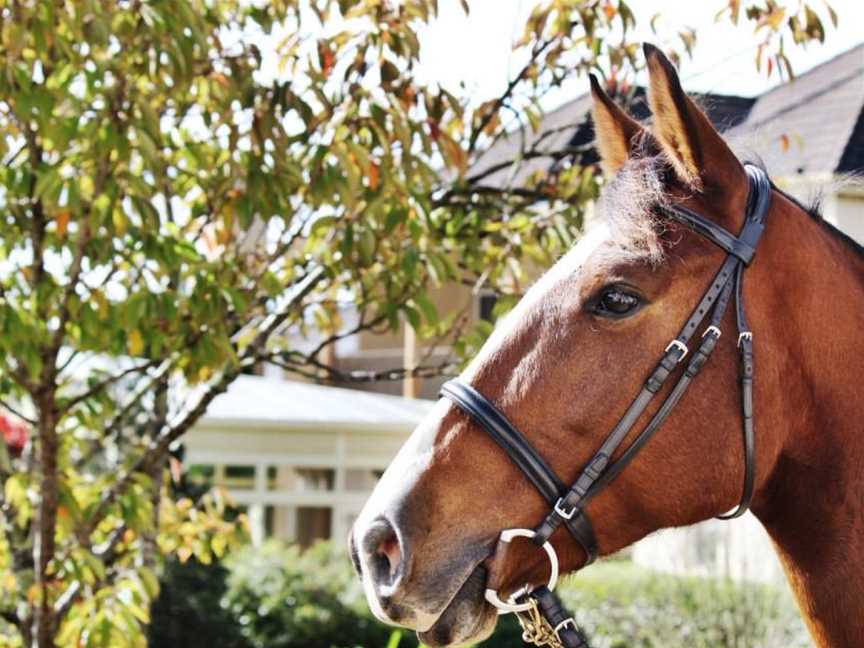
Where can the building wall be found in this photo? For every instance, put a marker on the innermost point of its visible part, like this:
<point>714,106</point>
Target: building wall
<point>383,351</point>
<point>294,484</point>
<point>845,210</point>
<point>738,549</point>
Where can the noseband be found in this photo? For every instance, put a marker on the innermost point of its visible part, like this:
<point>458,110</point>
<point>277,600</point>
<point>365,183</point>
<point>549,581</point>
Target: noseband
<point>568,504</point>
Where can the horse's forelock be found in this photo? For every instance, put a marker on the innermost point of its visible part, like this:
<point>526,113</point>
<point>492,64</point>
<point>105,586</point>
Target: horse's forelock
<point>628,203</point>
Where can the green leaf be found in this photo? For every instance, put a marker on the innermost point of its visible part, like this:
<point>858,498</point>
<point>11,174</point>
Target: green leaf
<point>430,313</point>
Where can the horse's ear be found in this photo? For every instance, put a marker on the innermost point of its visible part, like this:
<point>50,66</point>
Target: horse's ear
<point>615,132</point>
<point>697,151</point>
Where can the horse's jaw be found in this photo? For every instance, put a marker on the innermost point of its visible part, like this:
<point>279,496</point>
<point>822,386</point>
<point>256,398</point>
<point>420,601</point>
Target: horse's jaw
<point>467,619</point>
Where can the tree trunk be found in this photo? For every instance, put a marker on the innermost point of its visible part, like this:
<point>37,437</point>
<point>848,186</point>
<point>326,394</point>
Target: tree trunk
<point>46,522</point>
<point>160,416</point>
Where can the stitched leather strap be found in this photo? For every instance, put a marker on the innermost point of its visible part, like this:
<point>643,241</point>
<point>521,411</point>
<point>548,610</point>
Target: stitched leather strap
<point>598,473</point>
<point>521,453</point>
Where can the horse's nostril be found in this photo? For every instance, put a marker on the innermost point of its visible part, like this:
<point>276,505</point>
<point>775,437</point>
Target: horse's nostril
<point>383,553</point>
<point>388,552</point>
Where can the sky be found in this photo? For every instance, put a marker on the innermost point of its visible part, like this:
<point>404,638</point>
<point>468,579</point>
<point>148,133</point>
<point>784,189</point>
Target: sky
<point>476,49</point>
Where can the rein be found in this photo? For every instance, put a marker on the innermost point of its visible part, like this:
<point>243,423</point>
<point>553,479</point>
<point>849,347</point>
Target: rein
<point>544,620</point>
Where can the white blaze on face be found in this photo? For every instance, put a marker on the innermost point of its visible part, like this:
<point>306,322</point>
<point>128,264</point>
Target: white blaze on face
<point>566,266</point>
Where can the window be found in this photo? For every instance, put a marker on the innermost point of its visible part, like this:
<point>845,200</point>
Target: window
<point>313,523</point>
<point>361,479</point>
<point>273,477</point>
<point>487,307</point>
<point>200,474</point>
<point>279,522</point>
<point>239,477</point>
<point>315,479</point>
<point>304,480</point>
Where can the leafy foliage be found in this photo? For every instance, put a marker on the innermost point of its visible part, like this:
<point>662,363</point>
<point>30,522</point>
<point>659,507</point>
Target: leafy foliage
<point>188,610</point>
<point>279,597</point>
<point>282,597</point>
<point>177,208</point>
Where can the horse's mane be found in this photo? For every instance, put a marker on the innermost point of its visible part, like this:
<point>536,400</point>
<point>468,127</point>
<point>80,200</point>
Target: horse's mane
<point>813,210</point>
<point>813,207</point>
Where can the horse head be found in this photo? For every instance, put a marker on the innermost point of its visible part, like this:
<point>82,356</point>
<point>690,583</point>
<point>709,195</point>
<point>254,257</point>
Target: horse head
<point>563,366</point>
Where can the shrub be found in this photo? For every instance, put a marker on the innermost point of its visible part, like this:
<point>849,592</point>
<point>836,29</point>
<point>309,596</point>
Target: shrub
<point>282,597</point>
<point>187,611</point>
<point>623,605</point>
<point>277,596</point>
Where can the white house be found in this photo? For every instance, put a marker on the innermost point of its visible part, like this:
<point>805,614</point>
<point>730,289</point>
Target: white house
<point>300,458</point>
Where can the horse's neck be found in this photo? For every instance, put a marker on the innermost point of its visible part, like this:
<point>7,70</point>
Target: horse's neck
<point>812,503</point>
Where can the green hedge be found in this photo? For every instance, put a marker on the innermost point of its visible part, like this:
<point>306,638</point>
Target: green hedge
<point>279,597</point>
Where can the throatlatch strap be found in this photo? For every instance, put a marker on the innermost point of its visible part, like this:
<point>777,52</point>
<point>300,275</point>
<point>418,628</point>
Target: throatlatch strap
<point>746,370</point>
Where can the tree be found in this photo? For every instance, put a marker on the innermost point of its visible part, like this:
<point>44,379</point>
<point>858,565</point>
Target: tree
<point>173,213</point>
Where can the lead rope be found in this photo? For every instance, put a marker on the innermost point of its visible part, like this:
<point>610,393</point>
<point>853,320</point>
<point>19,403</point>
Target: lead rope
<point>547,622</point>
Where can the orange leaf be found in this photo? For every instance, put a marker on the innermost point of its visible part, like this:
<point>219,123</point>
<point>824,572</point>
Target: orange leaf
<point>62,220</point>
<point>134,342</point>
<point>372,176</point>
<point>326,58</point>
<point>775,18</point>
<point>609,10</point>
<point>434,129</point>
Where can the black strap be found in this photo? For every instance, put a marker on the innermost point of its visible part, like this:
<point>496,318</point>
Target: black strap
<point>598,473</point>
<point>557,616</point>
<point>734,245</point>
<point>515,446</point>
<point>745,346</point>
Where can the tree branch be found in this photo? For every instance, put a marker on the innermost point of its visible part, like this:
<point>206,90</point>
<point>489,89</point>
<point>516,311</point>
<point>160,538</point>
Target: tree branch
<point>102,384</point>
<point>538,49</point>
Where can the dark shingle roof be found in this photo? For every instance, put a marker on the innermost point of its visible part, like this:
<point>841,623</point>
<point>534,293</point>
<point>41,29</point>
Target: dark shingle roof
<point>805,126</point>
<point>853,157</point>
<point>813,124</point>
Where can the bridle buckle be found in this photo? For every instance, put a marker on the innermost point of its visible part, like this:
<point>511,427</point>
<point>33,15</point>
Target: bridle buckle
<point>745,335</point>
<point>713,329</point>
<point>563,512</point>
<point>569,622</point>
<point>677,344</point>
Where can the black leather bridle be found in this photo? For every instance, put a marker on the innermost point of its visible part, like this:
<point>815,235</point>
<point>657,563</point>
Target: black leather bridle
<point>568,504</point>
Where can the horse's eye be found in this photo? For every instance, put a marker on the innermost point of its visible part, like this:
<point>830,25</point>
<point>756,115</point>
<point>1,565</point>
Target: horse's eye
<point>616,302</point>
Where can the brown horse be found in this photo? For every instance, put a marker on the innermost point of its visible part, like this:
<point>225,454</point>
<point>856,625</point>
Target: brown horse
<point>569,358</point>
